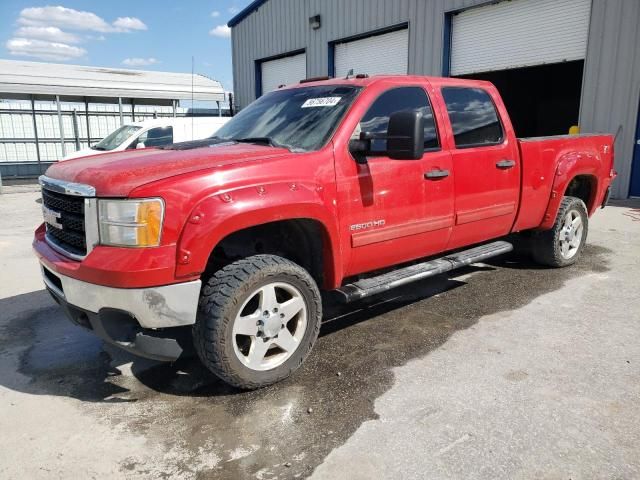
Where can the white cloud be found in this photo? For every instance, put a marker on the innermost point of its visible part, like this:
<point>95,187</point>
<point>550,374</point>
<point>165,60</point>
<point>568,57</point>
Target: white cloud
<point>46,32</point>
<point>43,50</point>
<point>126,24</point>
<point>233,10</point>
<point>140,62</point>
<point>215,14</point>
<point>63,17</point>
<point>49,34</point>
<point>221,31</point>
<point>71,19</point>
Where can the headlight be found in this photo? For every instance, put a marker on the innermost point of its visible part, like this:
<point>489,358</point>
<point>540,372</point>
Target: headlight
<point>131,223</point>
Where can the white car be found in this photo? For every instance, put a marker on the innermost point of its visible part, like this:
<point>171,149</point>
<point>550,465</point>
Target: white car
<point>153,133</point>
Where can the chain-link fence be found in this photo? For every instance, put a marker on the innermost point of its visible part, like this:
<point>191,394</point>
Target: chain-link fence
<point>30,136</point>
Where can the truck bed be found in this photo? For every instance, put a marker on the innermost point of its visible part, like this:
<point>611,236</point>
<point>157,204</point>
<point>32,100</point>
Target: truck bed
<point>543,158</point>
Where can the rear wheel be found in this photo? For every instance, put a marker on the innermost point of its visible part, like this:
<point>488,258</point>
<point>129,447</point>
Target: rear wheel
<point>562,245</point>
<point>258,319</point>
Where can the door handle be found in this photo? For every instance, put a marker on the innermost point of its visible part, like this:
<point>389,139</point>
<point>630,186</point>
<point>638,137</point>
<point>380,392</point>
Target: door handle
<point>436,174</point>
<point>504,164</point>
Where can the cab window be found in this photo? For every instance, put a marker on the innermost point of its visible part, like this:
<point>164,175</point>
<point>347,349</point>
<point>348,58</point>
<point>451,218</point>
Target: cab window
<point>156,137</point>
<point>473,117</point>
<point>401,99</point>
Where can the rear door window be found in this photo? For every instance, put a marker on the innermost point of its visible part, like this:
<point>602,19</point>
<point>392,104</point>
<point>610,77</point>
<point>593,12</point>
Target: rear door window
<point>473,117</point>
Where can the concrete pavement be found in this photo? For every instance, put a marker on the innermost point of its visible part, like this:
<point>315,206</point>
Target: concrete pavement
<point>549,390</point>
<point>503,370</point>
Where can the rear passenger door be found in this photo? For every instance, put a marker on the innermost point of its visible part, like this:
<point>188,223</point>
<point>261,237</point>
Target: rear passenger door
<point>486,164</point>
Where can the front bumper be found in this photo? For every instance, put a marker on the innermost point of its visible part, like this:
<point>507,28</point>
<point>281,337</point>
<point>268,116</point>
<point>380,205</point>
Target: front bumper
<point>135,319</point>
<point>153,307</point>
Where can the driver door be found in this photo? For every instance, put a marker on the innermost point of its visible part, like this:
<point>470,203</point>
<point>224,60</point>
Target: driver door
<point>390,211</point>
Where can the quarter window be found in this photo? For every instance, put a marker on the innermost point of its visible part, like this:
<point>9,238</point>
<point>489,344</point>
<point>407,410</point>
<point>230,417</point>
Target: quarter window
<point>402,99</point>
<point>473,117</point>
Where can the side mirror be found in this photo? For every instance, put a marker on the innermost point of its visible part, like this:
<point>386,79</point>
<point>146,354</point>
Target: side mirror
<point>140,145</point>
<point>405,136</point>
<point>359,149</point>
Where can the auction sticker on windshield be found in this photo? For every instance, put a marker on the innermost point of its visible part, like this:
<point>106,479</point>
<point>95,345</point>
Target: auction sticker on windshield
<point>321,102</point>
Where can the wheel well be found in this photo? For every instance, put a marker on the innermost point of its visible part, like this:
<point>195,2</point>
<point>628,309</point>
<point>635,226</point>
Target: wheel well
<point>298,240</point>
<point>582,187</point>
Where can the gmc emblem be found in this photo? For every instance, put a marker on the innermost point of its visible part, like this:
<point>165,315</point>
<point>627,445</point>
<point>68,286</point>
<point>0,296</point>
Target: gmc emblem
<point>51,217</point>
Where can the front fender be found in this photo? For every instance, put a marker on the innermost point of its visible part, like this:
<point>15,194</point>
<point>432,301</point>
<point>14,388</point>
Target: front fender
<point>221,214</point>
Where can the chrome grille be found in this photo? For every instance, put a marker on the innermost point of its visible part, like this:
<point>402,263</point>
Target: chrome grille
<point>69,217</point>
<point>68,231</point>
<point>66,203</point>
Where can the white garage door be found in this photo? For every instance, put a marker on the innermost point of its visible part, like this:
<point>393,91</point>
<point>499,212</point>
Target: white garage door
<point>386,53</point>
<point>519,33</point>
<point>283,71</point>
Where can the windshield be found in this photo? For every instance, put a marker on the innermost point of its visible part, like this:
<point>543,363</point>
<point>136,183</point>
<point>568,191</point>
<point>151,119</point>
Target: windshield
<point>115,139</point>
<point>299,119</point>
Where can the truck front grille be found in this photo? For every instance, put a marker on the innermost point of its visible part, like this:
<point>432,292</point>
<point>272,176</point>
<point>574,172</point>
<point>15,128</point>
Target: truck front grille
<point>64,219</point>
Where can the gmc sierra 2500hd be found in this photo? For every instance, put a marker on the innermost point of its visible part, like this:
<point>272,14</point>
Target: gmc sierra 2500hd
<point>320,185</point>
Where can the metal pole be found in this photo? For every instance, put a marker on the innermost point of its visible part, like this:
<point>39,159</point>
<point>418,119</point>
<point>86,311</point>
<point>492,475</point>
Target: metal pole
<point>174,102</point>
<point>61,125</point>
<point>219,112</point>
<point>35,132</point>
<point>120,108</point>
<point>76,133</point>
<point>86,111</point>
<point>133,110</point>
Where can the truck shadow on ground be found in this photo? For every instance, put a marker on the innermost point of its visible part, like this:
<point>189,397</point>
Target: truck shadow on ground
<point>298,421</point>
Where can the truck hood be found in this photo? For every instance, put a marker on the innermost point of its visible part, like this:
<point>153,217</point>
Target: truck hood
<point>117,174</point>
<point>85,152</point>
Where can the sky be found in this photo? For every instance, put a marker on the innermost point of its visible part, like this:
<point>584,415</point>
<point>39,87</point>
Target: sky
<point>142,34</point>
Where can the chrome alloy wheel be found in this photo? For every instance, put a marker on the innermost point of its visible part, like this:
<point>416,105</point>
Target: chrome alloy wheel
<point>269,326</point>
<point>570,237</point>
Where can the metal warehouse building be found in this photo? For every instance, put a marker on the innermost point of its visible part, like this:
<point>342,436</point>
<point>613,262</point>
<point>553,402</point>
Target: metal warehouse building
<point>557,63</point>
<point>48,110</point>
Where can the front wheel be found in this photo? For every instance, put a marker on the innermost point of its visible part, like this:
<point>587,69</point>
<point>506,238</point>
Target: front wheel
<point>258,319</point>
<point>562,245</point>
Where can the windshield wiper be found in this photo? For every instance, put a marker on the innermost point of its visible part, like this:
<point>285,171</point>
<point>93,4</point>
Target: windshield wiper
<point>188,145</point>
<point>261,140</point>
<point>96,147</point>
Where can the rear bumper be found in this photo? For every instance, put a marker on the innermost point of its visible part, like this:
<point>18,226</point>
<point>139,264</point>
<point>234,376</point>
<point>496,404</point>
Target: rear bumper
<point>139,320</point>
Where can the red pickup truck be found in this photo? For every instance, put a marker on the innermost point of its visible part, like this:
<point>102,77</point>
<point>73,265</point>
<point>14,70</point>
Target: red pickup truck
<point>355,185</point>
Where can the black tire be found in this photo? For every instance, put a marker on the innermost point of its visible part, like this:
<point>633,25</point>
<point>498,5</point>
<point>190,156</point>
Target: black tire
<point>221,298</point>
<point>546,247</point>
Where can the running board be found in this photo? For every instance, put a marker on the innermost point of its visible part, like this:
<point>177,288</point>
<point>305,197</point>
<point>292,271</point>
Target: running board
<point>396,278</point>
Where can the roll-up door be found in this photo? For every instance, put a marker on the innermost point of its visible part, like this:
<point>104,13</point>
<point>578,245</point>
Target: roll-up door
<point>283,71</point>
<point>518,33</point>
<point>384,53</point>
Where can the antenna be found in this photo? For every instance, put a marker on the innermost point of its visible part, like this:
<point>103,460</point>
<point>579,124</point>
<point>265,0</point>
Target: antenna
<point>192,78</point>
<point>349,74</point>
